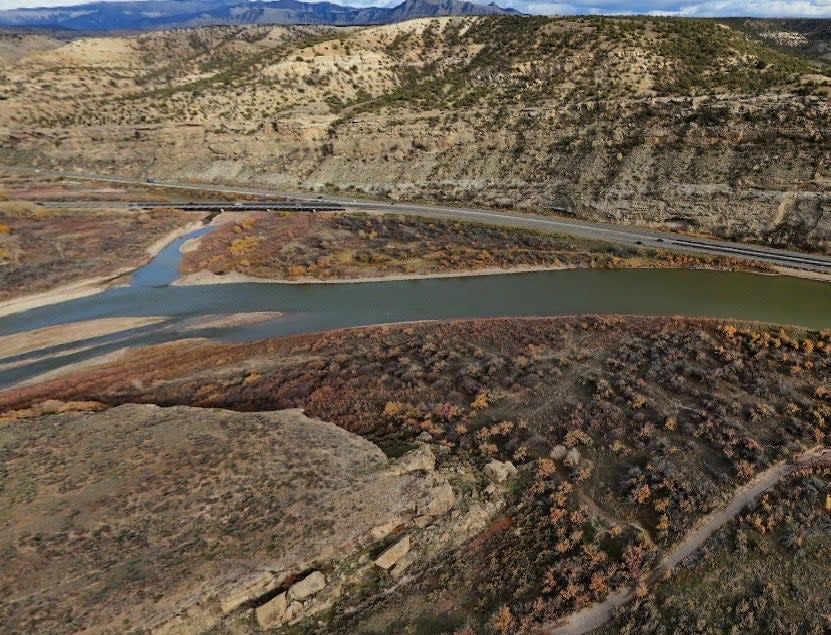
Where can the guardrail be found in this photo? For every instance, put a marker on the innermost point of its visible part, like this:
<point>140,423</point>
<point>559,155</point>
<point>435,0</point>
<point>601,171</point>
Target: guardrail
<point>246,207</point>
<point>760,254</point>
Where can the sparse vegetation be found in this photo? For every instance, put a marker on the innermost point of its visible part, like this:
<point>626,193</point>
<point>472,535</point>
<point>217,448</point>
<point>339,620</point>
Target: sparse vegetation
<point>622,433</point>
<point>768,568</point>
<point>343,246</point>
<point>626,431</point>
<point>42,248</point>
<point>626,118</point>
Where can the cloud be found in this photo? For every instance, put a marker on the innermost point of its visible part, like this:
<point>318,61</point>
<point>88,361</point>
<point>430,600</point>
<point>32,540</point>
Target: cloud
<point>688,8</point>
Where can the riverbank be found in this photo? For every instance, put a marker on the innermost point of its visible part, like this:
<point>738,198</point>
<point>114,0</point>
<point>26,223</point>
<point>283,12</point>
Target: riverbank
<point>93,285</point>
<point>234,277</point>
<point>370,247</point>
<point>31,341</point>
<point>32,356</point>
<point>803,273</point>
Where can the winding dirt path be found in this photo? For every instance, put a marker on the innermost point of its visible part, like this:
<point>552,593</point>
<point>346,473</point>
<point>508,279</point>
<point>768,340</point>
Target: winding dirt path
<point>597,615</point>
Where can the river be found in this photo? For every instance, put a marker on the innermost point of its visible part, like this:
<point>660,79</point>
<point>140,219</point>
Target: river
<point>316,307</point>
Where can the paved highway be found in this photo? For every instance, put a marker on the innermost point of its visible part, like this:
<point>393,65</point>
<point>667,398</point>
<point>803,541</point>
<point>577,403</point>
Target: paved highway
<point>574,227</point>
<point>205,206</point>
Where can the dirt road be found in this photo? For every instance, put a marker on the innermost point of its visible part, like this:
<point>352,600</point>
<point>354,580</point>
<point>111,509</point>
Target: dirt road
<point>596,615</point>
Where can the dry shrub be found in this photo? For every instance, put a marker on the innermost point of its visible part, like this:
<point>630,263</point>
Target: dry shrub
<point>22,208</point>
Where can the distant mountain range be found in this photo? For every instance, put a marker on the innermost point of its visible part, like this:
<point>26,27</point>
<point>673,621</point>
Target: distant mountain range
<point>139,15</point>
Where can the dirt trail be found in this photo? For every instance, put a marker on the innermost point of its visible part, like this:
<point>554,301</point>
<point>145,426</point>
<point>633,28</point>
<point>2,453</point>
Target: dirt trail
<point>596,615</point>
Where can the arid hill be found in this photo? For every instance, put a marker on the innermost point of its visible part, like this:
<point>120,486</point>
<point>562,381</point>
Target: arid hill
<point>566,457</point>
<point>686,123</point>
<point>176,14</point>
<point>809,37</point>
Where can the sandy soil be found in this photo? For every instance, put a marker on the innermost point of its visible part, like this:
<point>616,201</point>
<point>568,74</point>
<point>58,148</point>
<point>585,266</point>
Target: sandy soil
<point>206,277</point>
<point>802,273</point>
<point>224,321</point>
<point>29,341</point>
<point>63,293</point>
<point>19,343</point>
<point>154,248</point>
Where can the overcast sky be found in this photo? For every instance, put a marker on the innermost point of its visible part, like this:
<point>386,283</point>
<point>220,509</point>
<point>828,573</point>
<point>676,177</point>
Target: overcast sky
<point>770,8</point>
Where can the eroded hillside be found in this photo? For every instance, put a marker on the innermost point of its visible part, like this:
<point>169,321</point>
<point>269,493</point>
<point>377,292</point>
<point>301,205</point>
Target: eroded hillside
<point>685,123</point>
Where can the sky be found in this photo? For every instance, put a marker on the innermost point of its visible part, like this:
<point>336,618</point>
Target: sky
<point>690,8</point>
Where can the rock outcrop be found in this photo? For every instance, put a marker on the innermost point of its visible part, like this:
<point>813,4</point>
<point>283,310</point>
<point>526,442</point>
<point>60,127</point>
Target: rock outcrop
<point>499,471</point>
<point>201,481</point>
<point>394,553</point>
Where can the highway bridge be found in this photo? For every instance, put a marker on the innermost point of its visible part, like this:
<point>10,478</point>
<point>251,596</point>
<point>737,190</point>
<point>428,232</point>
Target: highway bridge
<point>622,234</point>
<point>205,206</point>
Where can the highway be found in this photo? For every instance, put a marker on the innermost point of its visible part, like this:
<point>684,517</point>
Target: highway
<point>622,234</point>
<point>205,206</point>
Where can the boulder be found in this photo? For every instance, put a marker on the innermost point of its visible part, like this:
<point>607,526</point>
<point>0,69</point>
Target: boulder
<point>249,589</point>
<point>559,452</point>
<point>420,459</point>
<point>272,613</point>
<point>394,553</point>
<point>309,585</point>
<point>499,472</point>
<point>441,499</point>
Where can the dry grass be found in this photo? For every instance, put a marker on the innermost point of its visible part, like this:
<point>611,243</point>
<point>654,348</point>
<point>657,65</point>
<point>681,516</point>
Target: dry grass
<point>354,246</point>
<point>45,248</point>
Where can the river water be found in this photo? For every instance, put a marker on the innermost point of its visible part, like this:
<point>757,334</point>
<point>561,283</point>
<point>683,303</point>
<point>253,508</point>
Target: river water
<point>316,307</point>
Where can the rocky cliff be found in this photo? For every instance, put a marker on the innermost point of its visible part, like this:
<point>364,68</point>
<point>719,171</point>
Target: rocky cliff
<point>682,123</point>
